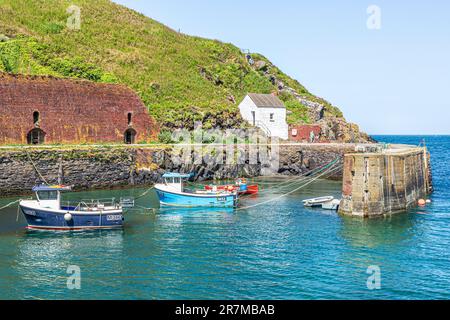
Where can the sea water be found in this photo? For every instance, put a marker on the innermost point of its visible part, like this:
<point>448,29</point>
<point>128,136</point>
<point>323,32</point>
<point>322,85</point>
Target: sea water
<point>278,250</point>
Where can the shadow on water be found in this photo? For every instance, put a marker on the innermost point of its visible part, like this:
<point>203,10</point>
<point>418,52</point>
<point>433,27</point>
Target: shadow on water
<point>377,232</point>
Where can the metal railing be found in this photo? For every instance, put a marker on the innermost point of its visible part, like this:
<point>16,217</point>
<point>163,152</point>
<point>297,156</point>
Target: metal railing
<point>92,204</point>
<point>263,127</point>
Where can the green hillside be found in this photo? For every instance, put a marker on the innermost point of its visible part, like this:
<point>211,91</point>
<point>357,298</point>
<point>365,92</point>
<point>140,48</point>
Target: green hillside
<point>180,78</point>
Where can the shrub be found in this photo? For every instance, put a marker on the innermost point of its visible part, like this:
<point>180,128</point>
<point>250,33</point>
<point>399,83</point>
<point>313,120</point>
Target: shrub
<point>165,136</point>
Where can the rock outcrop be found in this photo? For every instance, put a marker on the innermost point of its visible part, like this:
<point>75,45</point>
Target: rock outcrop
<point>108,167</point>
<point>334,126</point>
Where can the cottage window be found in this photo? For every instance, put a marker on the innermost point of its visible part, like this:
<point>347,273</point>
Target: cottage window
<point>272,117</point>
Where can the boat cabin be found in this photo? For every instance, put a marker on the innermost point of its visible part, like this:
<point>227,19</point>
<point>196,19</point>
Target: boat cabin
<point>50,196</point>
<point>175,180</point>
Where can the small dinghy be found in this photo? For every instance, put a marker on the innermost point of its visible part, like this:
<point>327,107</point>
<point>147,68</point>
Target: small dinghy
<point>47,212</point>
<point>317,202</point>
<point>172,193</point>
<point>327,203</point>
<point>331,205</point>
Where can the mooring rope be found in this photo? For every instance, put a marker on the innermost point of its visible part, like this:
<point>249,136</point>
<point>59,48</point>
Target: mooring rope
<point>307,174</point>
<point>282,184</point>
<point>285,184</point>
<point>300,180</point>
<point>9,205</point>
<point>145,193</point>
<point>330,170</point>
<point>35,168</point>
<point>327,168</point>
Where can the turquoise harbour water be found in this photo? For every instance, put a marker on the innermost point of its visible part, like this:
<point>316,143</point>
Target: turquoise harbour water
<point>276,251</point>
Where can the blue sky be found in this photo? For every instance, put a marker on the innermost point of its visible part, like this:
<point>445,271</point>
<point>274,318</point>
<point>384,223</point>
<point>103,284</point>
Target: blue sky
<point>393,80</point>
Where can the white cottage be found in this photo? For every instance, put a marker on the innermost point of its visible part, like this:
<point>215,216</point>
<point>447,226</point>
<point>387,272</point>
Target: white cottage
<point>267,112</point>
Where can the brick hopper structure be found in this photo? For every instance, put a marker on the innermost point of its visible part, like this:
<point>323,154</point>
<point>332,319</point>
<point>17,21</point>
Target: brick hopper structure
<point>36,110</point>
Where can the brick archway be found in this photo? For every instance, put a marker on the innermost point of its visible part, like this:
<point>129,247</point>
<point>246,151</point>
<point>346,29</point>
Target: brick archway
<point>130,136</point>
<point>36,136</point>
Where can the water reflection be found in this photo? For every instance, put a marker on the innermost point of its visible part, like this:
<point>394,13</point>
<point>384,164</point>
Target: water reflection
<point>277,250</point>
<point>376,232</point>
<point>42,259</point>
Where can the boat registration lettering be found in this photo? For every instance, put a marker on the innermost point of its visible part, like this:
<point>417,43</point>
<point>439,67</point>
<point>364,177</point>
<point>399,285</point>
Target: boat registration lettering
<point>221,199</point>
<point>30,212</point>
<point>113,217</point>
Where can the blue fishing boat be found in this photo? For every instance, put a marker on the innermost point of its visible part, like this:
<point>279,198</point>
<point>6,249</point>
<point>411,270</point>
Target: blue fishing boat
<point>173,193</point>
<point>47,212</point>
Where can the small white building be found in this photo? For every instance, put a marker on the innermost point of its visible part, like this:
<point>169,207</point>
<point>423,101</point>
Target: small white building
<point>267,112</point>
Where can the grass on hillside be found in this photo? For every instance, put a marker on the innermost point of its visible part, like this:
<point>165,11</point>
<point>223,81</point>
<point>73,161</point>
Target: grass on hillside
<point>180,78</point>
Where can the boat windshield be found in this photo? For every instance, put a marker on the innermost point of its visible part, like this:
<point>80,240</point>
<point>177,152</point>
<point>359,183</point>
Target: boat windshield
<point>47,195</point>
<point>173,180</point>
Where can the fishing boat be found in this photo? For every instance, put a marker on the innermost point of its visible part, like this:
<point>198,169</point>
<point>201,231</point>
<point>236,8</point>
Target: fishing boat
<point>48,213</point>
<point>172,192</point>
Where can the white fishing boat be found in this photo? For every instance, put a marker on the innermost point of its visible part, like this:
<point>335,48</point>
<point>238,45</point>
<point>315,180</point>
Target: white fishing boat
<point>48,212</point>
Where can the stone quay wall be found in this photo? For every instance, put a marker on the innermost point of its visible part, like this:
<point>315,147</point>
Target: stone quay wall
<point>382,183</point>
<point>91,167</point>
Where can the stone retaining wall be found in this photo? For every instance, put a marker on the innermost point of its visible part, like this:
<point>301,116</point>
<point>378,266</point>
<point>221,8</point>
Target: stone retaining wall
<point>108,167</point>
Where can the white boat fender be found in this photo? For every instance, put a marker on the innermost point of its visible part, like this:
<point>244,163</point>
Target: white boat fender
<point>68,217</point>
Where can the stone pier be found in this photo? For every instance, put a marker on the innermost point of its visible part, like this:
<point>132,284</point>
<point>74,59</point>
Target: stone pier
<point>385,181</point>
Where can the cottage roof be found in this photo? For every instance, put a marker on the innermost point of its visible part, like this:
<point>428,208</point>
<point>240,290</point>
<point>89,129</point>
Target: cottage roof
<point>266,100</point>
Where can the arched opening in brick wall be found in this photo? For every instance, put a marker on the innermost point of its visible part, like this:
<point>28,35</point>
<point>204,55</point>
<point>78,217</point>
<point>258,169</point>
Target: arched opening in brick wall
<point>130,136</point>
<point>130,115</point>
<point>36,117</point>
<point>36,136</point>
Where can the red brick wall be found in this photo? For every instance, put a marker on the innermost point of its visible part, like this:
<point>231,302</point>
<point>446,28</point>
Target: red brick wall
<point>71,111</point>
<point>303,133</point>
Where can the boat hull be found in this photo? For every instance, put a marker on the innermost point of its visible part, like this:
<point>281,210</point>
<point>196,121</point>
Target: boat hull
<point>317,202</point>
<point>253,189</point>
<point>43,219</point>
<point>173,199</point>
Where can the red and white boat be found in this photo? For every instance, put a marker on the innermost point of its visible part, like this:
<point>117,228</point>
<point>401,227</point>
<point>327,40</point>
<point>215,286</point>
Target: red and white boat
<point>240,186</point>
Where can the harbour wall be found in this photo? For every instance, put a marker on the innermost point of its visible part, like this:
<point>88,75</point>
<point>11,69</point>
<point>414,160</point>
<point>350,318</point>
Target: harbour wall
<point>91,167</point>
<point>385,182</point>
